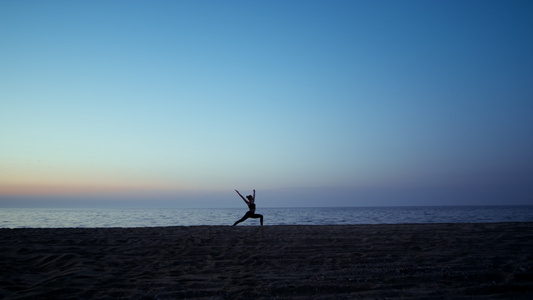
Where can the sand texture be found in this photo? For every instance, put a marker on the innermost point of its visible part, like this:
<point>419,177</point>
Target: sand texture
<point>411,261</point>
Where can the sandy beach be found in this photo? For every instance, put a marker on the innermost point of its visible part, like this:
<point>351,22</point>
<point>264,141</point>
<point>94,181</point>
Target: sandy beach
<point>411,261</point>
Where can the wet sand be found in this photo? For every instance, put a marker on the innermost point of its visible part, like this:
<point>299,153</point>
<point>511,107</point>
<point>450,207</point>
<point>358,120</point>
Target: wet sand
<point>412,261</point>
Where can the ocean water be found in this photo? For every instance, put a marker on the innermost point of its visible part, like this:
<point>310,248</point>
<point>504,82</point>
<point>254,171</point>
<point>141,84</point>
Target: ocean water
<point>142,217</point>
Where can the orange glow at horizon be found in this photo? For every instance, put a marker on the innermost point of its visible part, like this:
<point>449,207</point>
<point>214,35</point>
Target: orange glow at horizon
<point>71,183</point>
<point>80,189</point>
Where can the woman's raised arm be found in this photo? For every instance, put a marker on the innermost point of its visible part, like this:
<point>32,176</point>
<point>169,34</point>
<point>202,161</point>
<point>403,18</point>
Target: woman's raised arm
<point>242,197</point>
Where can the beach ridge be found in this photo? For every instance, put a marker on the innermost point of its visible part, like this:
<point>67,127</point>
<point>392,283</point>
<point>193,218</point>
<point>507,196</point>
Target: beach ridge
<point>416,261</point>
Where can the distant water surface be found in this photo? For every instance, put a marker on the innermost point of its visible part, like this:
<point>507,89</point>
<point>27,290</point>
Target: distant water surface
<point>137,217</point>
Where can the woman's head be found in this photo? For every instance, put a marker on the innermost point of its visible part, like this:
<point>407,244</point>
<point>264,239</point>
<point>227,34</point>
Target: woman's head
<point>249,197</point>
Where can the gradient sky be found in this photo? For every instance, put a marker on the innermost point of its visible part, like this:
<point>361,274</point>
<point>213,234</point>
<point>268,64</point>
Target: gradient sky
<point>312,103</point>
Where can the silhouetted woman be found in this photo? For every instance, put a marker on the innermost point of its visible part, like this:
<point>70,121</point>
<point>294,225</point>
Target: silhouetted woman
<point>251,206</point>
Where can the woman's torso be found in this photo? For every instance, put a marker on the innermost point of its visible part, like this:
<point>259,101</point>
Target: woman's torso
<point>251,206</point>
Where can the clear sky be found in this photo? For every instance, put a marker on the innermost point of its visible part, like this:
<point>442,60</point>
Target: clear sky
<point>312,103</point>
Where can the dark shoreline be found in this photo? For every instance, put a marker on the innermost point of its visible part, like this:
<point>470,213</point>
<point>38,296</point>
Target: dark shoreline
<point>271,226</point>
<point>415,261</point>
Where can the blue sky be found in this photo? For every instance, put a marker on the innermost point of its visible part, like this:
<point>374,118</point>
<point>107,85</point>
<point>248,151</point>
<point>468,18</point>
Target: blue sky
<point>313,103</point>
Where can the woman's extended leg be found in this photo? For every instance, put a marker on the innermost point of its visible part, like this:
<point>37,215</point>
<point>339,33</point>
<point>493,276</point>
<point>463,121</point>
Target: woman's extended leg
<point>246,216</point>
